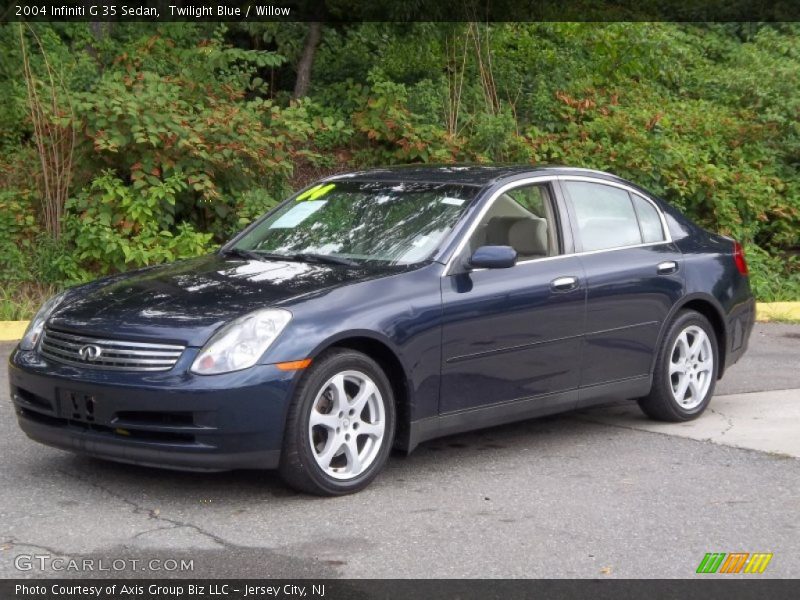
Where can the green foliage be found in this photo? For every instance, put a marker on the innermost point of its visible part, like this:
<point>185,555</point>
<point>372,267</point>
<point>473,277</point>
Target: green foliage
<point>18,230</point>
<point>21,302</point>
<point>150,127</point>
<point>494,139</point>
<point>773,278</point>
<point>188,132</point>
<point>113,226</point>
<point>392,133</point>
<point>28,255</point>
<point>253,203</point>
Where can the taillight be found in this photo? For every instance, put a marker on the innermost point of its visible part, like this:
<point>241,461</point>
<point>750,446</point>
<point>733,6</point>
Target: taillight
<point>738,257</point>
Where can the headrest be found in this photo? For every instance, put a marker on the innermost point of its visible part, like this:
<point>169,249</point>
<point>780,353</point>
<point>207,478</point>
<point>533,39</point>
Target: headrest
<point>529,237</point>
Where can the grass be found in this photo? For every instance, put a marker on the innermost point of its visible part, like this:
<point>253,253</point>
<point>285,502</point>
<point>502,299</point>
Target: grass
<point>19,303</point>
<point>780,312</point>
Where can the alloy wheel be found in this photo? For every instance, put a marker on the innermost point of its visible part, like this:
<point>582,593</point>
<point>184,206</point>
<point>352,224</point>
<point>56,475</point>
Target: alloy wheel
<point>691,367</point>
<point>347,424</point>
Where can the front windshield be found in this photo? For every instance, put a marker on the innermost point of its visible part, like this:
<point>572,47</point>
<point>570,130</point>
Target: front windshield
<point>394,223</point>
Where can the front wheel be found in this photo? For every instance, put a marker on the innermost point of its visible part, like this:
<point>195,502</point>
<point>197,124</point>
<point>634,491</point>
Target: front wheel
<point>685,371</point>
<point>340,426</point>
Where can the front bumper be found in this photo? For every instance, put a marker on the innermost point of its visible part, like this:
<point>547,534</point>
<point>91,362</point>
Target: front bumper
<point>172,419</point>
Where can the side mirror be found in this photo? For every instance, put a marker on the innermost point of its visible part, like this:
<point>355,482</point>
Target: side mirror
<point>493,257</point>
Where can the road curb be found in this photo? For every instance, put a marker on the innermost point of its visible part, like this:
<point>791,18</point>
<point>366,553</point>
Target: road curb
<point>760,421</point>
<point>778,311</point>
<point>765,312</point>
<point>12,330</point>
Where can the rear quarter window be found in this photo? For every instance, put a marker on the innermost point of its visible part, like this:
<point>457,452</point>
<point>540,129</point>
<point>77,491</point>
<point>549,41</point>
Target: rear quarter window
<point>649,220</point>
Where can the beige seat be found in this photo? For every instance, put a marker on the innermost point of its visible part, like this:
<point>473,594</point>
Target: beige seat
<point>497,230</point>
<point>529,238</point>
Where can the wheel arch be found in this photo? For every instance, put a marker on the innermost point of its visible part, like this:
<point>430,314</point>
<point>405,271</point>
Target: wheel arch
<point>707,306</point>
<point>382,352</point>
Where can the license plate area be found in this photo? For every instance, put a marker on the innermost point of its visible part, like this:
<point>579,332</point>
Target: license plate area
<point>77,406</point>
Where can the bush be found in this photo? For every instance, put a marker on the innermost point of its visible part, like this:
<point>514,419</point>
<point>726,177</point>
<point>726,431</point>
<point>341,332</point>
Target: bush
<point>18,231</point>
<point>191,133</point>
<point>773,278</point>
<point>113,226</point>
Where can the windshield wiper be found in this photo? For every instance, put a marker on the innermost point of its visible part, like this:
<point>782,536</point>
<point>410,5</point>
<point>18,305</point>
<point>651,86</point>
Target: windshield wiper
<point>297,256</point>
<point>323,258</point>
<point>242,253</point>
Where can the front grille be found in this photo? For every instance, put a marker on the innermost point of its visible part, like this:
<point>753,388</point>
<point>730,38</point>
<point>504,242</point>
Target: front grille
<point>108,354</point>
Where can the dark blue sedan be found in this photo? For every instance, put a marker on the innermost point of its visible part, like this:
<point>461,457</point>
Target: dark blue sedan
<point>382,308</point>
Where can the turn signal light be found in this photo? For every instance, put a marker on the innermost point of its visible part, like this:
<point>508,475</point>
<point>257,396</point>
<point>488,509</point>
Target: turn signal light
<point>294,365</point>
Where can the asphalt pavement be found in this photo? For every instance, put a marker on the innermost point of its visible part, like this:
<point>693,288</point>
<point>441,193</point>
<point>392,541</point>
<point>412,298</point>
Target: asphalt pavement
<point>599,493</point>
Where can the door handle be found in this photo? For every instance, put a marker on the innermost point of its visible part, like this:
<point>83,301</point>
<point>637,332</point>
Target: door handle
<point>564,284</point>
<point>667,267</point>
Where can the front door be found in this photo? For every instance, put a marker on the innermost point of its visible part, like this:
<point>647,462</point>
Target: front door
<point>513,334</point>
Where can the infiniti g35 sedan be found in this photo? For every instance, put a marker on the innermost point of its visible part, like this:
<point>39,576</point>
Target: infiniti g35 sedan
<point>383,308</point>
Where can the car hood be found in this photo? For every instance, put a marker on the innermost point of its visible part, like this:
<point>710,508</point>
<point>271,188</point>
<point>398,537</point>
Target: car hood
<point>185,302</point>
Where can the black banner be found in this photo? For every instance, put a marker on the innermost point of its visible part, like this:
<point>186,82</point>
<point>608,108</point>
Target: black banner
<point>483,589</point>
<point>333,11</point>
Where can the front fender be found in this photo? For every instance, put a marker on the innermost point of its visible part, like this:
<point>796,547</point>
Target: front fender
<point>402,313</point>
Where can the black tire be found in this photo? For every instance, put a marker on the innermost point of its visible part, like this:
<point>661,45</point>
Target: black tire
<point>660,404</point>
<point>298,467</point>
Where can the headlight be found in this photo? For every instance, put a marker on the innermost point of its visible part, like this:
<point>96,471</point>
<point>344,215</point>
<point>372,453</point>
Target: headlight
<point>241,343</point>
<point>34,330</point>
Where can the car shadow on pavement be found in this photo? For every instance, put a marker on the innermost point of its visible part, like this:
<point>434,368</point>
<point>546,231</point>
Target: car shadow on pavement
<point>547,438</point>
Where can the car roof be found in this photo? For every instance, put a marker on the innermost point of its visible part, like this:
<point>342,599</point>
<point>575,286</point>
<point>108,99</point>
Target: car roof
<point>465,174</point>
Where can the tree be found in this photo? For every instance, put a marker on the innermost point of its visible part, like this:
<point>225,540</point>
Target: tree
<point>53,123</point>
<point>306,61</point>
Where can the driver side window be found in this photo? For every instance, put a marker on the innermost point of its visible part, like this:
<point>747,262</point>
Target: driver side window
<point>522,218</point>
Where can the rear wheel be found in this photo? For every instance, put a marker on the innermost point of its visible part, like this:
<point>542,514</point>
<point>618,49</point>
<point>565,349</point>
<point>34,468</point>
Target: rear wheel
<point>340,427</point>
<point>685,372</point>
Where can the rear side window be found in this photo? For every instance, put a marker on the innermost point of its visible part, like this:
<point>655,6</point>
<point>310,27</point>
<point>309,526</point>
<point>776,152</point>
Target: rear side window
<point>605,215</point>
<point>649,221</point>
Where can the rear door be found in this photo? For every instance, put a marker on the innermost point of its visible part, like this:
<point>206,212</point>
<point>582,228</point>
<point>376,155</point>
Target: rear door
<point>513,334</point>
<point>633,277</point>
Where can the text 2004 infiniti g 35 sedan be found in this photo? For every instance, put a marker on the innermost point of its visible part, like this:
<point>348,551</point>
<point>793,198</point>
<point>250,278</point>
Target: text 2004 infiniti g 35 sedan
<point>384,308</point>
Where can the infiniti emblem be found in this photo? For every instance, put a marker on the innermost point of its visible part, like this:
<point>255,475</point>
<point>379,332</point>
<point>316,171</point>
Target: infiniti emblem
<point>90,352</point>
